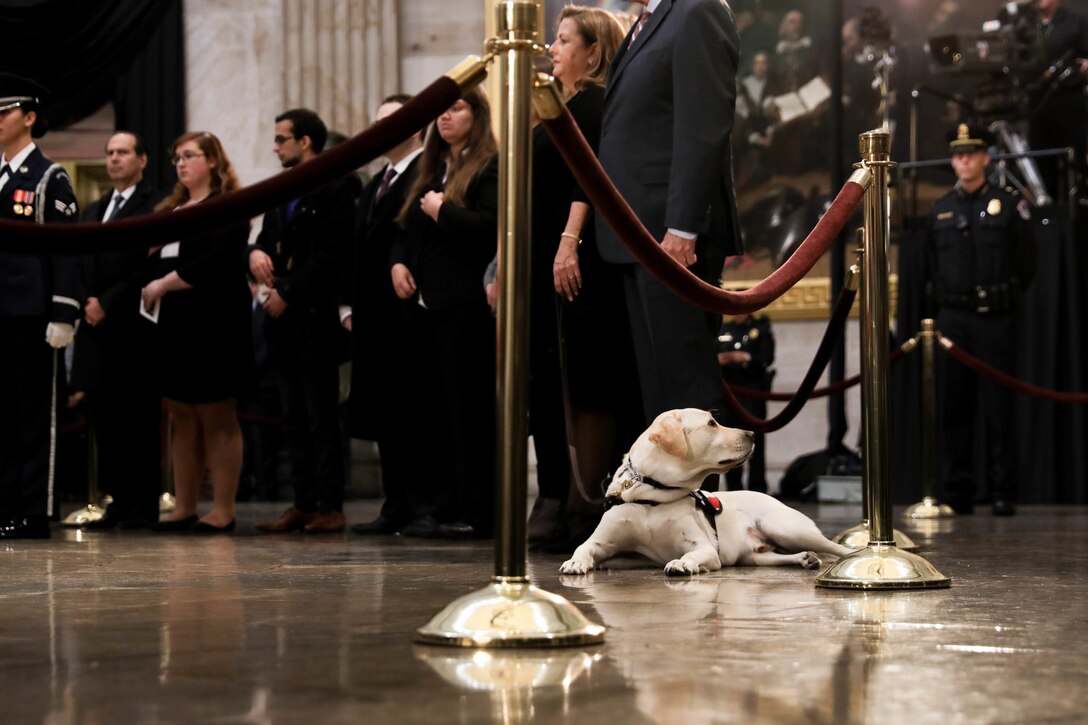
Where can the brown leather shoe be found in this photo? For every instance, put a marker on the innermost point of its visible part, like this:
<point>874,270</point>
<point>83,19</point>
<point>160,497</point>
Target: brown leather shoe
<point>291,520</point>
<point>326,522</point>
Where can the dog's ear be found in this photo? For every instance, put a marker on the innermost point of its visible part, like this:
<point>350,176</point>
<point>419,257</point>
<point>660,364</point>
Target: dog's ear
<point>668,434</point>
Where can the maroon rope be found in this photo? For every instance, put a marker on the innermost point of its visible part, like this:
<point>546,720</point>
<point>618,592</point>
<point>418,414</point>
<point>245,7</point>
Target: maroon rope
<point>743,392</point>
<point>242,205</point>
<point>615,210</point>
<point>832,334</point>
<point>1007,380</point>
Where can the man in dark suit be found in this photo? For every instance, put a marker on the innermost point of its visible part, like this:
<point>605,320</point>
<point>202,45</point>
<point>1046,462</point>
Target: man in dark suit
<point>296,260</point>
<point>39,304</point>
<point>384,341</point>
<point>665,141</point>
<point>110,364</point>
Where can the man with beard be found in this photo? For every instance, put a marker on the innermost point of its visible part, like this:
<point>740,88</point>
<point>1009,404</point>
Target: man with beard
<point>296,263</point>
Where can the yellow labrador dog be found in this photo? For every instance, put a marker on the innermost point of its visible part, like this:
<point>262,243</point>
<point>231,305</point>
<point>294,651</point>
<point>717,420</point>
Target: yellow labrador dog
<point>658,511</point>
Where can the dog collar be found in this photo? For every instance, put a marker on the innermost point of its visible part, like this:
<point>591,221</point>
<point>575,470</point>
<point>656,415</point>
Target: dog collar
<point>631,476</point>
<point>709,505</point>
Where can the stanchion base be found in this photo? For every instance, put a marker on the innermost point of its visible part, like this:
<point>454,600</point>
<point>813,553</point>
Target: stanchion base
<point>929,508</point>
<point>510,612</point>
<point>882,566</point>
<point>82,517</point>
<point>166,503</point>
<point>858,536</point>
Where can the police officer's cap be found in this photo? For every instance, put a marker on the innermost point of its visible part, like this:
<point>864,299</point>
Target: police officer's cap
<point>19,92</point>
<point>969,137</point>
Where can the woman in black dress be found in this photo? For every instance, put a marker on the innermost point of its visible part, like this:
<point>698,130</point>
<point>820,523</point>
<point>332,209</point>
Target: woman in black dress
<point>449,235</point>
<point>578,318</point>
<point>198,288</point>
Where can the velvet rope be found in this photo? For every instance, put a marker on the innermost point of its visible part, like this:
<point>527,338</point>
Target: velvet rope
<point>742,392</point>
<point>1006,380</point>
<point>832,334</point>
<point>145,231</point>
<point>615,210</point>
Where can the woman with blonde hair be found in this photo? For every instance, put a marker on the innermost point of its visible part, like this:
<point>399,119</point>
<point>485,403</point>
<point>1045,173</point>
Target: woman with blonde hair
<point>197,290</point>
<point>579,320</point>
<point>449,234</point>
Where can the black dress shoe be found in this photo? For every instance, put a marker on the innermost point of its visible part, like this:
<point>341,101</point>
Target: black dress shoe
<point>380,526</point>
<point>964,507</point>
<point>28,527</point>
<point>1004,507</point>
<point>203,527</point>
<point>425,527</point>
<point>456,530</point>
<point>172,527</point>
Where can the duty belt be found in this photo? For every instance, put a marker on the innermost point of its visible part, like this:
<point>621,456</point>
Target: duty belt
<point>984,299</point>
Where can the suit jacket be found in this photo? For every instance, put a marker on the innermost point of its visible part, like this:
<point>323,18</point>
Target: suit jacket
<point>307,247</point>
<point>381,322</point>
<point>665,131</point>
<point>41,284</point>
<point>116,345</point>
<point>448,257</point>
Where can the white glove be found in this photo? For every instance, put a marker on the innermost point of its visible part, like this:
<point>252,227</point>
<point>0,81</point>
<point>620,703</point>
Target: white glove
<point>59,334</point>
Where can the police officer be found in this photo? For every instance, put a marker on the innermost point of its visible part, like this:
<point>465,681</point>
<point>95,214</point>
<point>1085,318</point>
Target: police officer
<point>746,354</point>
<point>979,259</point>
<point>38,308</point>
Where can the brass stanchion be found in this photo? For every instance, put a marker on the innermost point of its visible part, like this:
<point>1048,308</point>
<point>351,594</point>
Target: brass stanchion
<point>858,536</point>
<point>510,612</point>
<point>929,507</point>
<point>881,564</point>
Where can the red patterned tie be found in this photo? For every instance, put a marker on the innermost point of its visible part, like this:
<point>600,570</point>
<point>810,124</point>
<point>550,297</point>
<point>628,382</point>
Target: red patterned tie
<point>387,180</point>
<point>638,27</point>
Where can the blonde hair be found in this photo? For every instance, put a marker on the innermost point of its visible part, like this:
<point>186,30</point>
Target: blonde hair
<point>222,172</point>
<point>595,25</point>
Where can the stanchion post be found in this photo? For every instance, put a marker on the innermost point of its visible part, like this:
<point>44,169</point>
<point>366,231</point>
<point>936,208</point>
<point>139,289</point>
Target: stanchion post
<point>511,612</point>
<point>880,565</point>
<point>929,507</point>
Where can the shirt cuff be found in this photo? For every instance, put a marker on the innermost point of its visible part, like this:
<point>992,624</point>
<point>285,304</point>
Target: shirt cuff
<point>345,312</point>
<point>683,235</point>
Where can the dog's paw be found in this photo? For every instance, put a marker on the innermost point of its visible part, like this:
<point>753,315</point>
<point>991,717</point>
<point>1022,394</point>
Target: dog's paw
<point>810,561</point>
<point>575,566</point>
<point>679,567</point>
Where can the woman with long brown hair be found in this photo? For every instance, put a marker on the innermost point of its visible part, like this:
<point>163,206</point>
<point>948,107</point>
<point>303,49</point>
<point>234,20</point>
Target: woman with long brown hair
<point>197,290</point>
<point>449,236</point>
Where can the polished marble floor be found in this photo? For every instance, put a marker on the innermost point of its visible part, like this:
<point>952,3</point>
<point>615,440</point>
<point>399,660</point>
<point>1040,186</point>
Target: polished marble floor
<point>130,627</point>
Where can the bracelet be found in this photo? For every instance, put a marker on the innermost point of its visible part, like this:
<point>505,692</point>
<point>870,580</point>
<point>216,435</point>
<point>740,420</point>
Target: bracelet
<point>575,237</point>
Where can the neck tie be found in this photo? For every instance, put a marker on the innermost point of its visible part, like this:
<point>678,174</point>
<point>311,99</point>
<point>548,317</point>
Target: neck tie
<point>117,202</point>
<point>638,27</point>
<point>387,181</point>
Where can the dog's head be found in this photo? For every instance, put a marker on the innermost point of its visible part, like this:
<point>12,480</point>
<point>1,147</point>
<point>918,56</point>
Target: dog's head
<point>682,447</point>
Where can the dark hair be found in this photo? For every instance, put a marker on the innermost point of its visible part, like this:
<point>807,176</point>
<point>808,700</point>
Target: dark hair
<point>223,177</point>
<point>478,152</point>
<point>139,147</point>
<point>305,122</point>
<point>400,98</point>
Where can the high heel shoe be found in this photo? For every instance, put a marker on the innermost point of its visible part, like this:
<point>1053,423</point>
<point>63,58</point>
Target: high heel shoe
<point>203,527</point>
<point>167,526</point>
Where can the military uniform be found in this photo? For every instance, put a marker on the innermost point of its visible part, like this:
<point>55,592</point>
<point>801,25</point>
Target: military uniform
<point>754,336</point>
<point>979,259</point>
<point>35,290</point>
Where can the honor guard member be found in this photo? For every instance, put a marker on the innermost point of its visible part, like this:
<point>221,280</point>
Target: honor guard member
<point>979,259</point>
<point>746,356</point>
<point>38,308</point>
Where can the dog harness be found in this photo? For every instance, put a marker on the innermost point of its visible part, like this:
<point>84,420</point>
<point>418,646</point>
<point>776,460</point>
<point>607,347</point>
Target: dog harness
<point>708,504</point>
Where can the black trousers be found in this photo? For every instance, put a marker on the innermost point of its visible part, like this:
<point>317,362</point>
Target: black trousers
<point>126,414</point>
<point>310,400</point>
<point>28,369</point>
<point>675,347</point>
<point>757,462</point>
<point>976,414</point>
<point>463,344</point>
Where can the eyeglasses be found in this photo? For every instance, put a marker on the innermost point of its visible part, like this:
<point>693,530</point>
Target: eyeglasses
<point>281,140</point>
<point>185,156</point>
